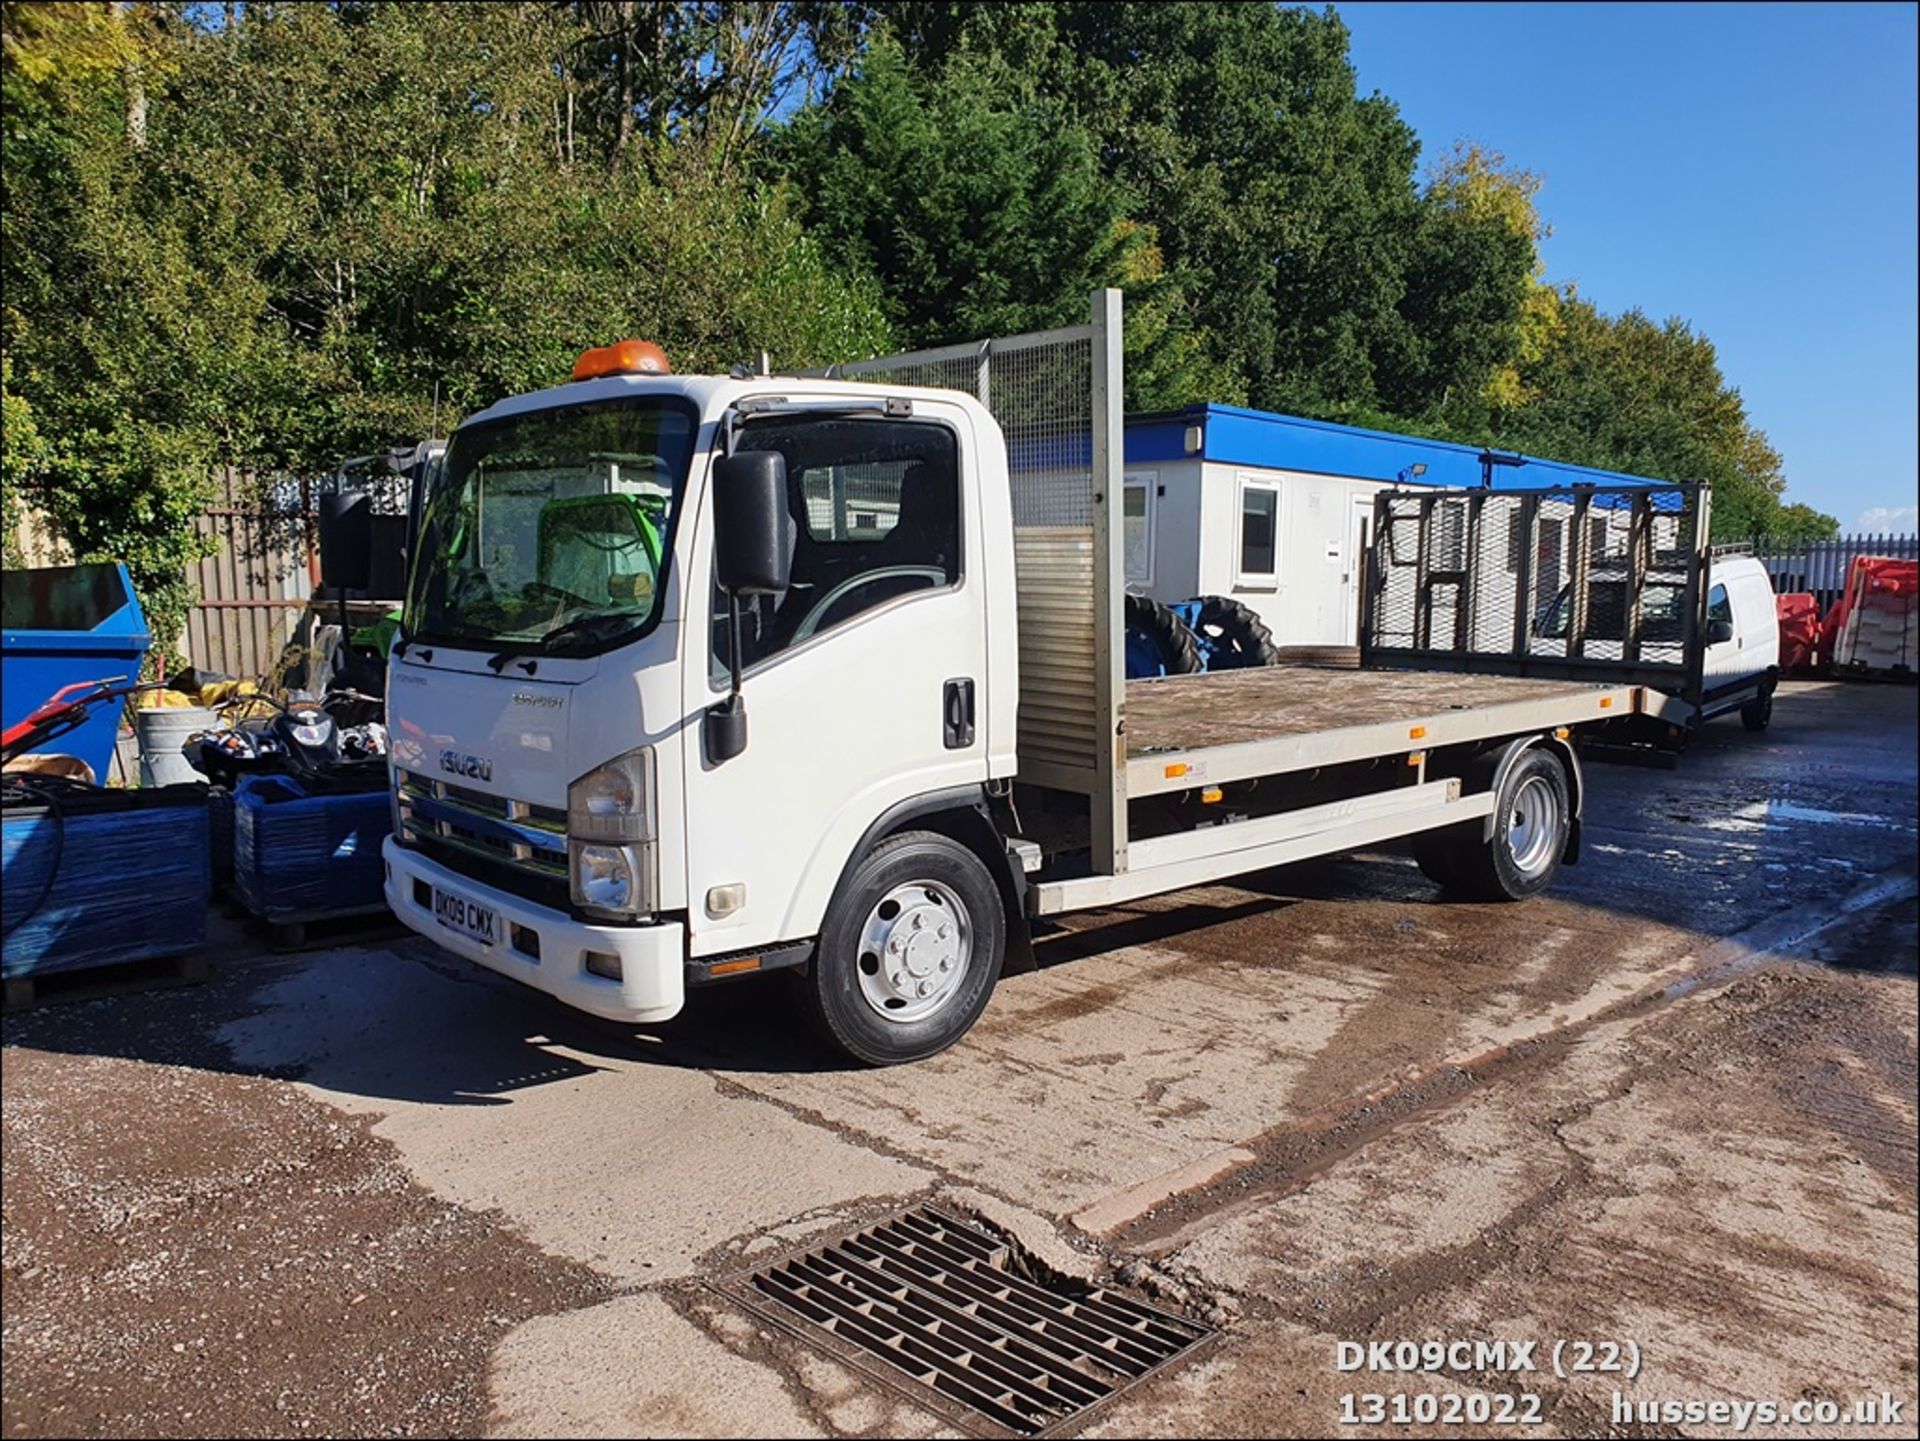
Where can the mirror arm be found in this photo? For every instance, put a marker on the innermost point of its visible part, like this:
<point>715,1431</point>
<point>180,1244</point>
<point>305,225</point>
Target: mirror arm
<point>733,646</point>
<point>725,727</point>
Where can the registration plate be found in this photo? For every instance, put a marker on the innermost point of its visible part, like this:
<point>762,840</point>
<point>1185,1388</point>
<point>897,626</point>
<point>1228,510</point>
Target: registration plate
<point>457,913</point>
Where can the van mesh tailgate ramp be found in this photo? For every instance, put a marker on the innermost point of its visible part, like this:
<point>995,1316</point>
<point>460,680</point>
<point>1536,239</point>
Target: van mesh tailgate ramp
<point>937,1300</point>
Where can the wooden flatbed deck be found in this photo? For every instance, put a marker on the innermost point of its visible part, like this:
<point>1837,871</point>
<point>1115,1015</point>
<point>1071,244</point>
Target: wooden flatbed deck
<point>1235,724</point>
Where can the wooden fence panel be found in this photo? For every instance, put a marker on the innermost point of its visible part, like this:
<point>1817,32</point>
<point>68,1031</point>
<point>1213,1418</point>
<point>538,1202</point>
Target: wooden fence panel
<point>265,570</point>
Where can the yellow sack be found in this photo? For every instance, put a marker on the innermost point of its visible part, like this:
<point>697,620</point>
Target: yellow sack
<point>164,699</point>
<point>214,692</point>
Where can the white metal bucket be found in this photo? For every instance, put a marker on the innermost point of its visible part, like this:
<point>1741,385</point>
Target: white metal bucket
<point>162,730</point>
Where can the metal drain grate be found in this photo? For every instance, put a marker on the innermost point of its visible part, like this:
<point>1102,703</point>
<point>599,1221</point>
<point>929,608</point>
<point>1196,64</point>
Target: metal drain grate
<point>934,1297</point>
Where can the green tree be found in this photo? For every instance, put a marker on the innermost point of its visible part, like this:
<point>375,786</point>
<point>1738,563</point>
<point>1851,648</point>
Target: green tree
<point>979,209</point>
<point>24,454</point>
<point>1472,272</point>
<point>1281,199</point>
<point>327,215</point>
<point>1627,394</point>
<point>115,330</point>
<point>704,74</point>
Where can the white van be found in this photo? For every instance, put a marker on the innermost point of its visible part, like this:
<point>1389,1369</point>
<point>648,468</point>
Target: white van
<point>1740,655</point>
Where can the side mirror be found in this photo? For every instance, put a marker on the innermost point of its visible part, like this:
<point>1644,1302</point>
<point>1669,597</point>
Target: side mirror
<point>1719,630</point>
<point>752,555</point>
<point>346,541</point>
<point>752,527</point>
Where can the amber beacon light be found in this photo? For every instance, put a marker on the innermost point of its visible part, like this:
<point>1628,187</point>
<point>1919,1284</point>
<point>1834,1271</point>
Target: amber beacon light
<point>623,357</point>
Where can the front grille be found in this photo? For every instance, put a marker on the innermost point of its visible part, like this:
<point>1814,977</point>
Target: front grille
<point>553,892</point>
<point>487,836</point>
<point>947,1305</point>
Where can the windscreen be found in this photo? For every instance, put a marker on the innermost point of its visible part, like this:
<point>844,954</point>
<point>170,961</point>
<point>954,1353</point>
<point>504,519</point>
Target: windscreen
<point>1662,612</point>
<point>549,531</point>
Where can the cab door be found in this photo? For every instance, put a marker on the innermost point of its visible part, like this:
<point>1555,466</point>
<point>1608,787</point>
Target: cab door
<point>1722,660</point>
<point>862,683</point>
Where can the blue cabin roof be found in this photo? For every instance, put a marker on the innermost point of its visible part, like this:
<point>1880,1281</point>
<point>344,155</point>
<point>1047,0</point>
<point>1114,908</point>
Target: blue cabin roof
<point>1234,435</point>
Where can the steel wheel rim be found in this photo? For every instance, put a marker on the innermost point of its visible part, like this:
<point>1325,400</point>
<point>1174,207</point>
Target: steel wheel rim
<point>915,950</point>
<point>1533,824</point>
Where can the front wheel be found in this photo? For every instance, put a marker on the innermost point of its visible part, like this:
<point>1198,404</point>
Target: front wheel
<point>1757,714</point>
<point>909,952</point>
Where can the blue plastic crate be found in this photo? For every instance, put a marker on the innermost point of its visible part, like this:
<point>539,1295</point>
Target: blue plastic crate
<point>300,857</point>
<point>220,832</point>
<point>97,877</point>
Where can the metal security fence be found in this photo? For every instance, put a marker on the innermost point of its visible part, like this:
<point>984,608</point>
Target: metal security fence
<point>1821,566</point>
<point>1557,582</point>
<point>1057,397</point>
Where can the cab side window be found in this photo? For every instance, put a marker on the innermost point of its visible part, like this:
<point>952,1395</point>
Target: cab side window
<point>1718,606</point>
<point>876,509</point>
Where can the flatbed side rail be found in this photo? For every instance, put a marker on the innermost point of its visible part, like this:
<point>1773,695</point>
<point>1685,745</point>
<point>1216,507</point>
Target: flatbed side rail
<point>1191,858</point>
<point>1580,582</point>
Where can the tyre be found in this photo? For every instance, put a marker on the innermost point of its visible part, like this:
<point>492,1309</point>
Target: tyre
<point>1165,637</point>
<point>1757,714</point>
<point>1531,818</point>
<point>1233,635</point>
<point>1438,853</point>
<point>909,952</point>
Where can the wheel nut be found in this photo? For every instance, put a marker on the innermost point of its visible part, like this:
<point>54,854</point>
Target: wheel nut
<point>925,986</point>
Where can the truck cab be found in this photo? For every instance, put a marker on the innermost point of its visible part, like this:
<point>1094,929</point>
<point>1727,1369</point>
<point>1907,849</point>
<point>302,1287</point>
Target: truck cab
<point>561,813</point>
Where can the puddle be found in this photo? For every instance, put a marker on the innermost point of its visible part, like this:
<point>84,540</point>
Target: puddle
<point>1788,811</point>
<point>1760,815</point>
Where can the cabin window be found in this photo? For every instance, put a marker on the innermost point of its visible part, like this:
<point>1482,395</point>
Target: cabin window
<point>1259,533</point>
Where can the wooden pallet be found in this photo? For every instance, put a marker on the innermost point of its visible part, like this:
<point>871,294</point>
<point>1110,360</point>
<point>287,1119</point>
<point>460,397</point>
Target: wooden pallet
<point>1895,675</point>
<point>354,928</point>
<point>49,988</point>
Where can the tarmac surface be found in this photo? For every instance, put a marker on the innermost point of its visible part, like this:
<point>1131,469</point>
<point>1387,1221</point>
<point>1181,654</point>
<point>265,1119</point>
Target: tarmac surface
<point>1670,1107</point>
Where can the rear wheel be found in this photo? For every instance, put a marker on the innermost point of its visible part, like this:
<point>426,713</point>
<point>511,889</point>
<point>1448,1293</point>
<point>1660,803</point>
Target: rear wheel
<point>1438,853</point>
<point>1531,819</point>
<point>909,952</point>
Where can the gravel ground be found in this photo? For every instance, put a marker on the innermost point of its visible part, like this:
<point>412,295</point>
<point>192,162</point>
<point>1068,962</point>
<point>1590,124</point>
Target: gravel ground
<point>191,1253</point>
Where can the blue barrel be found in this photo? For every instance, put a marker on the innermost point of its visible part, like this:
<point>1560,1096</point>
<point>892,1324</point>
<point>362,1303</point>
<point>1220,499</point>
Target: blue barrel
<point>61,625</point>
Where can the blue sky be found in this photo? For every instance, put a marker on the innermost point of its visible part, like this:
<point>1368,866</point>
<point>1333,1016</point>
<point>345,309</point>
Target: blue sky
<point>1748,167</point>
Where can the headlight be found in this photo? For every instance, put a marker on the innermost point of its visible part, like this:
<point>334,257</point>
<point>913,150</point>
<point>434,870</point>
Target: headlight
<point>610,837</point>
<point>603,878</point>
<point>311,728</point>
<point>614,802</point>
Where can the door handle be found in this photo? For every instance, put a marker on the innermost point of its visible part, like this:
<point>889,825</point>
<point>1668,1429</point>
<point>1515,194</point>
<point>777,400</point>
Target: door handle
<point>956,713</point>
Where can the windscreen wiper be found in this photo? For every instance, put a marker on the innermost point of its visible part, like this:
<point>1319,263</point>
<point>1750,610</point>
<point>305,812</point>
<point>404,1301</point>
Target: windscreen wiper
<point>584,626</point>
<point>497,663</point>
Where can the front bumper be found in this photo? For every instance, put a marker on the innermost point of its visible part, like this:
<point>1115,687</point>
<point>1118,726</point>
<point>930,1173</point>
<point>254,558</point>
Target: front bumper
<point>652,984</point>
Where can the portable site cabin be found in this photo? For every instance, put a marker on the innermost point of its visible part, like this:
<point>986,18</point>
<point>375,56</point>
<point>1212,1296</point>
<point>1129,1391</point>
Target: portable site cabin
<point>1275,511</point>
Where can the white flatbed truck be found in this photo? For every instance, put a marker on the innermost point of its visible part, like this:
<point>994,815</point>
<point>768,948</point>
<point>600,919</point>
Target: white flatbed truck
<point>702,677</point>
